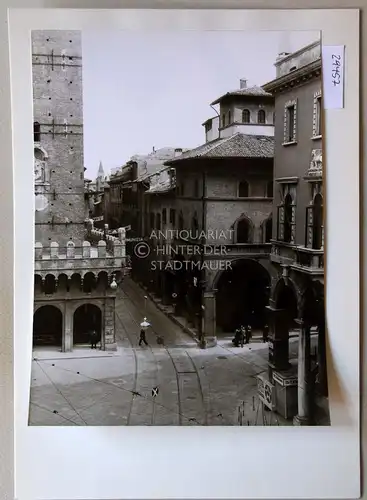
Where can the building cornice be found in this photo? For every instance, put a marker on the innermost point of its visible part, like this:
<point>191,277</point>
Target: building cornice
<point>295,78</point>
<point>297,53</point>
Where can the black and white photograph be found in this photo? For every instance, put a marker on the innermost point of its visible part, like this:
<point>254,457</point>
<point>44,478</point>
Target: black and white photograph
<point>179,229</point>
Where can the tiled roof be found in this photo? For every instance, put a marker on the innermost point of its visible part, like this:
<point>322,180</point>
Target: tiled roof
<point>162,187</point>
<point>247,91</point>
<point>236,146</point>
<point>210,119</point>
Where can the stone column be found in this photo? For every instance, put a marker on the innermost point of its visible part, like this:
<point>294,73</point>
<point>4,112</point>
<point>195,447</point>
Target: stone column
<point>304,365</point>
<point>108,337</point>
<point>278,341</point>
<point>321,359</point>
<point>68,324</point>
<point>209,316</point>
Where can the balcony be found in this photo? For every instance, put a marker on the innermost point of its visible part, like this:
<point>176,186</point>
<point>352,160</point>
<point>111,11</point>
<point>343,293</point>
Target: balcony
<point>247,249</point>
<point>299,258</point>
<point>71,259</point>
<point>217,251</point>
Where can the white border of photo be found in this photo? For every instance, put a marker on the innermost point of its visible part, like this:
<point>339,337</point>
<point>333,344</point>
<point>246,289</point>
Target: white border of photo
<point>192,462</point>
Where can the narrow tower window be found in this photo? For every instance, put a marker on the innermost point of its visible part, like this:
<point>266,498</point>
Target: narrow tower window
<point>36,132</point>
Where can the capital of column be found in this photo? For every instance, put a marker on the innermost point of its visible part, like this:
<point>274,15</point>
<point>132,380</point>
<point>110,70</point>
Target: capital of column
<point>274,310</point>
<point>301,421</point>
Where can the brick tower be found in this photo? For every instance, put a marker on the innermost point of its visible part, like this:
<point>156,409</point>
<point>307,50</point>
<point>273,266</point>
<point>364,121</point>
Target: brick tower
<point>58,136</point>
<point>76,266</point>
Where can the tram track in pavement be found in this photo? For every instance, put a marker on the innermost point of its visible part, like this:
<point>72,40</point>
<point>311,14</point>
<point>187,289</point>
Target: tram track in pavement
<point>177,372</point>
<point>136,369</point>
<point>256,367</point>
<point>126,330</point>
<point>127,297</point>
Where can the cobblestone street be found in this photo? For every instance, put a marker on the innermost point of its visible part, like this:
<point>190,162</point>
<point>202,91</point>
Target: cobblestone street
<point>195,386</point>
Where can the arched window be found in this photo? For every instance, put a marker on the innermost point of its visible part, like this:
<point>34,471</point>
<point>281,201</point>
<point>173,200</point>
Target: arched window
<point>317,222</point>
<point>196,188</point>
<point>288,218</point>
<point>269,189</point>
<point>158,219</point>
<point>245,116</point>
<point>268,229</point>
<point>49,284</point>
<point>195,224</point>
<point>36,132</point>
<point>151,221</point>
<point>172,217</point>
<point>243,231</point>
<point>243,189</point>
<point>89,283</point>
<point>180,222</point>
<point>261,116</point>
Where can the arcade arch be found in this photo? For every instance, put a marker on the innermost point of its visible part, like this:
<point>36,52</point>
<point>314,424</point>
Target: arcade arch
<point>47,326</point>
<point>86,317</point>
<point>242,295</point>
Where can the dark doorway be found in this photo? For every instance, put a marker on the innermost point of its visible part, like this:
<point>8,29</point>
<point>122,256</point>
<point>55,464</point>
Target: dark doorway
<point>243,294</point>
<point>86,318</point>
<point>47,327</point>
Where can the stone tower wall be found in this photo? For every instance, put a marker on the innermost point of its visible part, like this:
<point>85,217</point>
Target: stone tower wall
<point>58,107</point>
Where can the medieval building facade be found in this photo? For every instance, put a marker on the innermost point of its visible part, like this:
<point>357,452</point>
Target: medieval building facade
<point>297,254</point>
<point>224,190</point>
<point>76,266</point>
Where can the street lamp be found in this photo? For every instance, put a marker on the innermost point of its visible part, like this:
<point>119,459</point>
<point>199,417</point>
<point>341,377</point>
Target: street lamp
<point>145,324</point>
<point>174,297</point>
<point>145,303</point>
<point>113,284</point>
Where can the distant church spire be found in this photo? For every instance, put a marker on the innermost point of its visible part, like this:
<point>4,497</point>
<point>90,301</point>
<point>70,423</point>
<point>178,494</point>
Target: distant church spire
<point>100,170</point>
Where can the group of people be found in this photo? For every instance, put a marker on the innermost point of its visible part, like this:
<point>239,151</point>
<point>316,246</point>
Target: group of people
<point>243,335</point>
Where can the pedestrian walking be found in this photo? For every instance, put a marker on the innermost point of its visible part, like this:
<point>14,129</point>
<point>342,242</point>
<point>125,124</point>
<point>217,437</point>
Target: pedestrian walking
<point>94,339</point>
<point>248,334</point>
<point>142,337</point>
<point>265,333</point>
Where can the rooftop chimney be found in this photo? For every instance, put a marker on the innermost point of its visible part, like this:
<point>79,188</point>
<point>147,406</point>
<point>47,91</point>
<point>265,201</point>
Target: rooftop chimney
<point>282,55</point>
<point>243,83</point>
<point>178,152</point>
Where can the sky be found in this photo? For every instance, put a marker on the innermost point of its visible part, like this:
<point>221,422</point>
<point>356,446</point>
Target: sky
<point>148,89</point>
